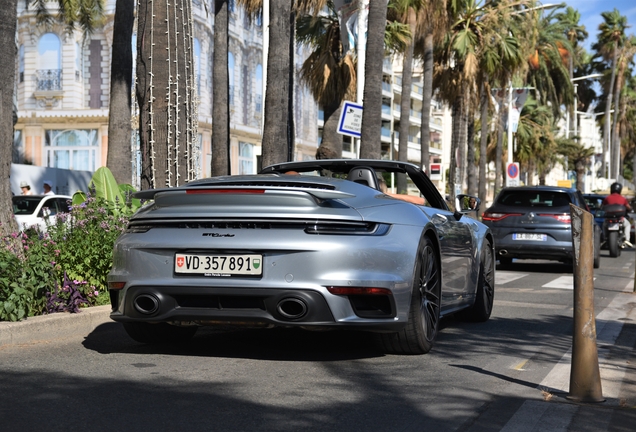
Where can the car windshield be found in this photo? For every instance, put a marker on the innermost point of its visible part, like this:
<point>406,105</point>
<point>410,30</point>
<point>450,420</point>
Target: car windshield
<point>23,205</point>
<point>527,198</point>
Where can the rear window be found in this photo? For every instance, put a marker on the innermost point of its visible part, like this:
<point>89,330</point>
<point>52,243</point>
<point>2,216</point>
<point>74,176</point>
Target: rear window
<point>25,205</point>
<point>533,199</point>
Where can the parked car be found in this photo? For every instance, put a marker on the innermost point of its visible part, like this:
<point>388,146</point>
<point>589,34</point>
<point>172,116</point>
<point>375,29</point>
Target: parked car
<point>39,210</point>
<point>313,244</point>
<point>533,222</point>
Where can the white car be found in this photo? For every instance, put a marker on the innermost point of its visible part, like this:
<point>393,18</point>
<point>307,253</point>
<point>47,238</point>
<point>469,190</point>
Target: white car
<point>40,210</point>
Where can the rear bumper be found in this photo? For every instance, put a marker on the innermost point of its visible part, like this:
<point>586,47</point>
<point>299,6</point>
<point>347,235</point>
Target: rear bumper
<point>526,250</point>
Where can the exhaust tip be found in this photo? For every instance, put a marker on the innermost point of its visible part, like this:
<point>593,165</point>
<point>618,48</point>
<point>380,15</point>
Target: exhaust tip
<point>146,304</point>
<point>292,308</point>
<point>503,252</point>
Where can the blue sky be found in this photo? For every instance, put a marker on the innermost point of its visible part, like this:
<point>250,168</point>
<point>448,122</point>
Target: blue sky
<point>590,11</point>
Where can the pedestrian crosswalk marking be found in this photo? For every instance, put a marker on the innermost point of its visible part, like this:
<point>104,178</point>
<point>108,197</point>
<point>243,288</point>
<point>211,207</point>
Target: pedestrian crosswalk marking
<point>563,282</point>
<point>504,277</point>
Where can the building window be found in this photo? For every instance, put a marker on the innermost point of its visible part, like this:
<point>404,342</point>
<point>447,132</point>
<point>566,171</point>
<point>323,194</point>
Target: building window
<point>49,71</point>
<point>72,149</point>
<point>259,91</point>
<point>197,64</point>
<point>21,64</point>
<point>246,158</point>
<point>230,70</point>
<point>78,62</point>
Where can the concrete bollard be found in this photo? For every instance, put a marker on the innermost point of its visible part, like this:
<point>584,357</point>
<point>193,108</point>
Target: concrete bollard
<point>585,376</point>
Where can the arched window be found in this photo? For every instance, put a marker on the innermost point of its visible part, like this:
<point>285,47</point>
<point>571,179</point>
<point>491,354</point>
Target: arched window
<point>197,64</point>
<point>259,90</point>
<point>49,52</point>
<point>230,71</point>
<point>49,71</point>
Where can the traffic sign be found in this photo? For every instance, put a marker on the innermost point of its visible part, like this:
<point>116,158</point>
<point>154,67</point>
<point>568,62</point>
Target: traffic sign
<point>512,174</point>
<point>350,122</point>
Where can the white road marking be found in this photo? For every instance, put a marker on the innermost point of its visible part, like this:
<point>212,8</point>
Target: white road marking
<point>562,282</point>
<point>502,277</point>
<point>538,415</point>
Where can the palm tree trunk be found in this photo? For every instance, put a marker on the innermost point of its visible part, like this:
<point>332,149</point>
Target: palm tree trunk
<point>220,164</point>
<point>167,126</point>
<point>615,136</point>
<point>276,130</point>
<point>456,111</point>
<point>405,103</point>
<point>331,144</point>
<point>499,152</point>
<point>483,144</point>
<point>461,146</point>
<point>427,96</point>
<point>471,169</point>
<point>8,18</point>
<point>608,108</point>
<point>370,141</point>
<point>119,159</point>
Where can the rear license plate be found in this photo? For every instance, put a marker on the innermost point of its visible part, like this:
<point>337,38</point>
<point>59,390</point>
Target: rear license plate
<point>219,265</point>
<point>613,227</point>
<point>530,236</point>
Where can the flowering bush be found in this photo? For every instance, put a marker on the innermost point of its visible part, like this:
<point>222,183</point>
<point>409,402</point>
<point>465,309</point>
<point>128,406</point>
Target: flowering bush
<point>75,254</point>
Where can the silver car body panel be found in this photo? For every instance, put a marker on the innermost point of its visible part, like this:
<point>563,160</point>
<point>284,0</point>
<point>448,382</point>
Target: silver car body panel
<point>274,215</point>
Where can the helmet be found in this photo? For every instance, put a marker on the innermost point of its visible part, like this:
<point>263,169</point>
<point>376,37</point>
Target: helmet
<point>616,188</point>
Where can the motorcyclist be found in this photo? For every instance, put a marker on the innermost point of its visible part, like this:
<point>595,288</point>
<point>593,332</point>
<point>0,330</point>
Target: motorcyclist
<point>615,197</point>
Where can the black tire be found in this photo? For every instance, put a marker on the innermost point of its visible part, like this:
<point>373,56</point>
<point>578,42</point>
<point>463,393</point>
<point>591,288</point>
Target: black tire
<point>419,334</point>
<point>612,241</point>
<point>160,333</point>
<point>485,293</point>
<point>597,249</point>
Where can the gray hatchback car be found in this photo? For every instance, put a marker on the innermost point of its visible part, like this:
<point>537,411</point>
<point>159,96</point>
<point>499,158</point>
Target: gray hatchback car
<point>533,222</point>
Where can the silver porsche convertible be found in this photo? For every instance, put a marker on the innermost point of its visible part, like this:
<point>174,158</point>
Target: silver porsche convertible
<point>325,244</point>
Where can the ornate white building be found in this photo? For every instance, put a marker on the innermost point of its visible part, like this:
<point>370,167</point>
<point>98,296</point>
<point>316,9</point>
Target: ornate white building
<point>62,95</point>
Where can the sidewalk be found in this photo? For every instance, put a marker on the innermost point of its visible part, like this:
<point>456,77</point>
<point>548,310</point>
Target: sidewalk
<point>54,326</point>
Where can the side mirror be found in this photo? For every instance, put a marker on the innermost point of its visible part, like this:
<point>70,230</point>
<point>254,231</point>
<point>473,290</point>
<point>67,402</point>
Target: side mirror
<point>467,203</point>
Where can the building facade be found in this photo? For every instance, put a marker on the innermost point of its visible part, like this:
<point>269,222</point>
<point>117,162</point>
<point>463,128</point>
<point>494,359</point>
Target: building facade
<point>62,96</point>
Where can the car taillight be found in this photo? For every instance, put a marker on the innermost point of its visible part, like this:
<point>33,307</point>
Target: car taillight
<point>565,217</point>
<point>494,217</point>
<point>358,291</point>
<point>116,285</point>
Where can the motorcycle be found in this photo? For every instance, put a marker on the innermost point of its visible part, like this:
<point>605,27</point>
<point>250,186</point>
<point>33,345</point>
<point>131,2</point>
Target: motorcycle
<point>613,228</point>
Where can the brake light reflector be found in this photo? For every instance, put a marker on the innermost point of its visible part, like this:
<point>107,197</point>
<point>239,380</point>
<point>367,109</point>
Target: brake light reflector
<point>224,191</point>
<point>494,217</point>
<point>358,291</point>
<point>116,285</point>
<point>565,217</point>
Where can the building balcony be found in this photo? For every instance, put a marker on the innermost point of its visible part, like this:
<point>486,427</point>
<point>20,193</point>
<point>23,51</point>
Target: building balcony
<point>48,80</point>
<point>48,87</point>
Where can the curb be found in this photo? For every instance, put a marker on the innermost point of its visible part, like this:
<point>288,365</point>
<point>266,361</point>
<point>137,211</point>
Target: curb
<point>53,326</point>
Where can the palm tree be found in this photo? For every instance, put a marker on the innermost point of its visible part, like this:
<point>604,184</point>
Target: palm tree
<point>278,127</point>
<point>407,11</point>
<point>625,59</point>
<point>577,155</point>
<point>575,33</point>
<point>610,38</point>
<point>220,164</point>
<point>329,74</point>
<point>370,144</point>
<point>432,22</point>
<point>119,158</point>
<point>8,18</point>
<point>166,93</point>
